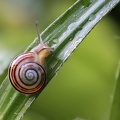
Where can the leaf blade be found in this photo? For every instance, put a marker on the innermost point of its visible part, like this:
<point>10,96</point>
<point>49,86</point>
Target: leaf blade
<point>64,35</point>
<point>115,107</point>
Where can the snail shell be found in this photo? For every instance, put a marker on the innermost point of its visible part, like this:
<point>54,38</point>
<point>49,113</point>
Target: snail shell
<point>26,75</point>
<point>27,72</point>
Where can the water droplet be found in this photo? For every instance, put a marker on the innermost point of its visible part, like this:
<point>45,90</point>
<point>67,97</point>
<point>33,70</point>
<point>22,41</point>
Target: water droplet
<point>79,36</point>
<point>92,17</point>
<point>110,4</point>
<point>71,39</point>
<point>55,41</point>
<point>54,63</point>
<point>101,13</point>
<point>72,25</point>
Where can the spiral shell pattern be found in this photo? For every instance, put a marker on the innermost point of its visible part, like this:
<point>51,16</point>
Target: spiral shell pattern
<point>26,74</point>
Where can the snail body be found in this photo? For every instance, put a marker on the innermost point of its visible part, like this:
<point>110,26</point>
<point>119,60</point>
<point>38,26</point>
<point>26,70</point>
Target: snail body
<point>27,71</point>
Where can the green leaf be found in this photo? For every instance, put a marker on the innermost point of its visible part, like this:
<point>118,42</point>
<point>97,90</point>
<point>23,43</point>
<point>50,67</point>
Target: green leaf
<point>115,109</point>
<point>64,35</point>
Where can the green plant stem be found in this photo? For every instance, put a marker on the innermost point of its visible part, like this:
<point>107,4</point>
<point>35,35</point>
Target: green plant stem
<point>64,35</point>
<point>115,110</point>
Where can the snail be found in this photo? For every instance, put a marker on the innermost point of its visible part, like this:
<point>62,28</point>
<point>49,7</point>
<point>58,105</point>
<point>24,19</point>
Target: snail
<point>27,72</point>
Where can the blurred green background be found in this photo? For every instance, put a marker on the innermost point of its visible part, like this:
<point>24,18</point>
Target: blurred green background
<point>83,88</point>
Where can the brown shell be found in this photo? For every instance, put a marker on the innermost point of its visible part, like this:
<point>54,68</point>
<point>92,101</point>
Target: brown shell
<point>27,63</point>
